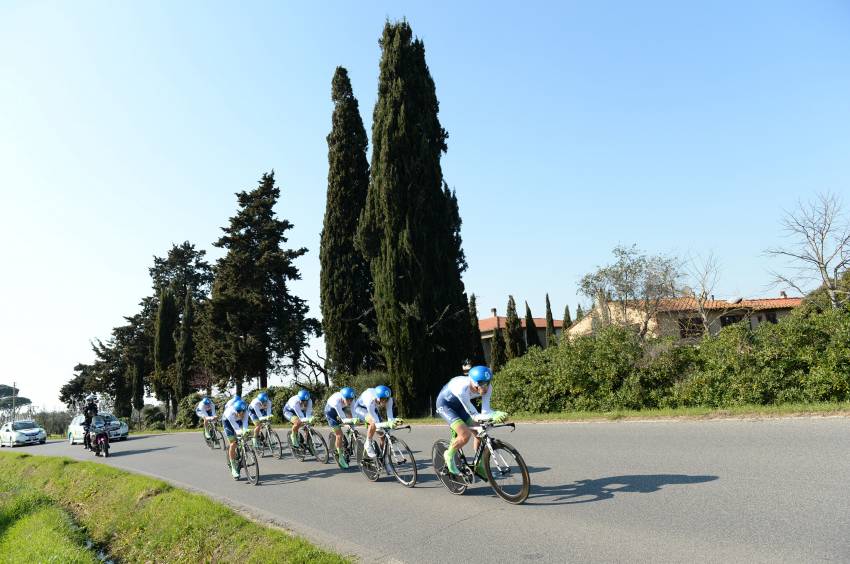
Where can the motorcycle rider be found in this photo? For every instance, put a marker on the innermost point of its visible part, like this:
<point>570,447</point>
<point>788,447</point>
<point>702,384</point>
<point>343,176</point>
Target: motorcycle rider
<point>89,411</point>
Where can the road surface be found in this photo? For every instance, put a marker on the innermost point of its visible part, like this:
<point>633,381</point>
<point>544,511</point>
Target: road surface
<point>663,491</point>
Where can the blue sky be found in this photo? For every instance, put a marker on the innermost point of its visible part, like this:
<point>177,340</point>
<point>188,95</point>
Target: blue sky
<point>574,127</point>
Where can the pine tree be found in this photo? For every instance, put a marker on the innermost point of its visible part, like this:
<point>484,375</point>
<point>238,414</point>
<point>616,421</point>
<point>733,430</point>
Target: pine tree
<point>256,321</point>
<point>498,354</point>
<point>550,325</point>
<point>532,339</point>
<point>514,336</point>
<point>476,348</point>
<point>164,348</point>
<point>345,280</point>
<point>412,245</point>
<point>579,313</point>
<point>185,355</point>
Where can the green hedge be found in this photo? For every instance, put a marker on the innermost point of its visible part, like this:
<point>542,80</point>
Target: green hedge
<point>803,358</point>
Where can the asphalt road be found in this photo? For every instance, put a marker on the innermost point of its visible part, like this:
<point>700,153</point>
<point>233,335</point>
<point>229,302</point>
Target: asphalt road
<point>669,491</point>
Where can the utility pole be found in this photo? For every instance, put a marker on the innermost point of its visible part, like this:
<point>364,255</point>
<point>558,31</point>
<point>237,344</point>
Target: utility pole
<point>13,400</point>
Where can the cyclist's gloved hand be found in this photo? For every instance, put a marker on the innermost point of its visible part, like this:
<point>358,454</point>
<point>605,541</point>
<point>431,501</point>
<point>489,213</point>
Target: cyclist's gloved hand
<point>350,421</point>
<point>499,416</point>
<point>308,420</point>
<point>481,418</point>
<point>384,425</point>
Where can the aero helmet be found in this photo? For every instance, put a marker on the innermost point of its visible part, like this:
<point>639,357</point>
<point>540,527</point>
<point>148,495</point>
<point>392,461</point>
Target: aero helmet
<point>480,374</point>
<point>382,392</point>
<point>303,395</point>
<point>348,392</point>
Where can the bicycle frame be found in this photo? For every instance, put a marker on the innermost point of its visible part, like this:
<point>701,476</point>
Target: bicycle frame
<point>485,441</point>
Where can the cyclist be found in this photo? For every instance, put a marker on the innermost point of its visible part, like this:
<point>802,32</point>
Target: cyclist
<point>259,410</point>
<point>234,420</point>
<point>298,410</point>
<point>335,414</point>
<point>455,406</point>
<point>89,412</point>
<point>366,408</point>
<point>205,410</point>
<point>232,400</point>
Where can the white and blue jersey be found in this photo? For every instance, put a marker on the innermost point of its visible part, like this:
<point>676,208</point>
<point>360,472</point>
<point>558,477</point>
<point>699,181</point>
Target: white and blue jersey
<point>454,402</point>
<point>203,410</point>
<point>259,409</point>
<point>335,410</point>
<point>367,405</point>
<point>293,408</point>
<point>231,421</point>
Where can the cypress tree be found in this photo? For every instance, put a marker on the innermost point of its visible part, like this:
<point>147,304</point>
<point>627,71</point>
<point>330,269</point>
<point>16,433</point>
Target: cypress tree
<point>579,313</point>
<point>532,339</point>
<point>550,325</point>
<point>345,281</point>
<point>412,245</point>
<point>567,319</point>
<point>476,348</point>
<point>514,337</point>
<point>258,322</point>
<point>498,354</point>
<point>185,355</point>
<point>164,347</point>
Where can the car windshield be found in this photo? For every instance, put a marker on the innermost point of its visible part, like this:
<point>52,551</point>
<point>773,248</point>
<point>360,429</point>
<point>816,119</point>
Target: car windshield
<point>109,418</point>
<point>22,425</point>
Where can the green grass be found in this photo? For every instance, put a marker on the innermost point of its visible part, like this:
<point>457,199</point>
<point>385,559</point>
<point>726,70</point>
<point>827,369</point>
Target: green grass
<point>33,528</point>
<point>141,519</point>
<point>783,410</point>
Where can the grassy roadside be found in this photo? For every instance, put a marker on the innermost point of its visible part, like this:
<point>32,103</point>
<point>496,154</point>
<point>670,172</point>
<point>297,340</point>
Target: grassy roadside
<point>756,411</point>
<point>141,519</point>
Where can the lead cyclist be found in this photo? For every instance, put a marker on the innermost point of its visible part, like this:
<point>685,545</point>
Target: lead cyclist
<point>454,404</point>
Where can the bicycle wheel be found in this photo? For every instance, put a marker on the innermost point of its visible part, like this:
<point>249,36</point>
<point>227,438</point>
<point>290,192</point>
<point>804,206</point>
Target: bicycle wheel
<point>369,466</point>
<point>273,442</point>
<point>358,450</point>
<point>332,446</point>
<point>454,484</point>
<point>507,472</point>
<point>318,447</point>
<point>250,464</point>
<point>296,452</point>
<point>209,437</point>
<point>402,462</point>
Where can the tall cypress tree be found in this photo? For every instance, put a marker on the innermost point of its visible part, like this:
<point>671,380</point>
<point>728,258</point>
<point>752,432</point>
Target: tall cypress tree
<point>550,325</point>
<point>532,339</point>
<point>257,322</point>
<point>164,348</point>
<point>405,233</point>
<point>514,336</point>
<point>579,313</point>
<point>185,355</point>
<point>345,280</point>
<point>498,354</point>
<point>476,348</point>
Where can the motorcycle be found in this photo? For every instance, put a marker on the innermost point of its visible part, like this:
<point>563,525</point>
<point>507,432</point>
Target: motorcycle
<point>99,438</point>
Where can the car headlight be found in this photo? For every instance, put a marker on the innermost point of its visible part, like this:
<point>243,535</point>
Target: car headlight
<point>19,436</point>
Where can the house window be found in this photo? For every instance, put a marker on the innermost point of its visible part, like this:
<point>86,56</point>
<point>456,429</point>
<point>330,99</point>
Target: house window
<point>690,327</point>
<point>727,320</point>
<point>770,316</point>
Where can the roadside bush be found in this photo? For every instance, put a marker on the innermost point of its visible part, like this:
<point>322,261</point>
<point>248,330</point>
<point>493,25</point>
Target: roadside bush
<point>186,417</point>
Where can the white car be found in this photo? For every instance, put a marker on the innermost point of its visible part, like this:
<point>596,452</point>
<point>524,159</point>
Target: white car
<point>22,433</point>
<point>118,430</point>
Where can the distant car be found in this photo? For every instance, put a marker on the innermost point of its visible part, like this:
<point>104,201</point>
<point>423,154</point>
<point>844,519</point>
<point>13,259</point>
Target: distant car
<point>118,430</point>
<point>22,433</point>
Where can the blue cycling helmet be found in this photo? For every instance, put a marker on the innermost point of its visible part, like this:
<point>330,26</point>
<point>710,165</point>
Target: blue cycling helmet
<point>348,392</point>
<point>207,401</point>
<point>382,392</point>
<point>303,395</point>
<point>239,405</point>
<point>480,374</point>
<point>263,397</point>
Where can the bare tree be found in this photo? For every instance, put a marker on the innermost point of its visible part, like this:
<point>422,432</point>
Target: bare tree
<point>634,284</point>
<point>704,275</point>
<point>819,253</point>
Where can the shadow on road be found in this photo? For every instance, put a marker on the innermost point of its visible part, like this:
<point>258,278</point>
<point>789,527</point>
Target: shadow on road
<point>587,491</point>
<point>275,479</point>
<point>136,451</point>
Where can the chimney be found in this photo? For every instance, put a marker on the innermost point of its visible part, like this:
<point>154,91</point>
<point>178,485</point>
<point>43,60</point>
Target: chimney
<point>782,294</point>
<point>712,297</point>
<point>493,311</point>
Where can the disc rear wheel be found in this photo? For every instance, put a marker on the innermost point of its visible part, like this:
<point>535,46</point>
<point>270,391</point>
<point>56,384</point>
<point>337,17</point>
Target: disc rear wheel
<point>369,466</point>
<point>455,484</point>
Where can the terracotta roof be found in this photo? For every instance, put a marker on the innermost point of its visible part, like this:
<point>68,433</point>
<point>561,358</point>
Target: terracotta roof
<point>489,323</point>
<point>758,304</point>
